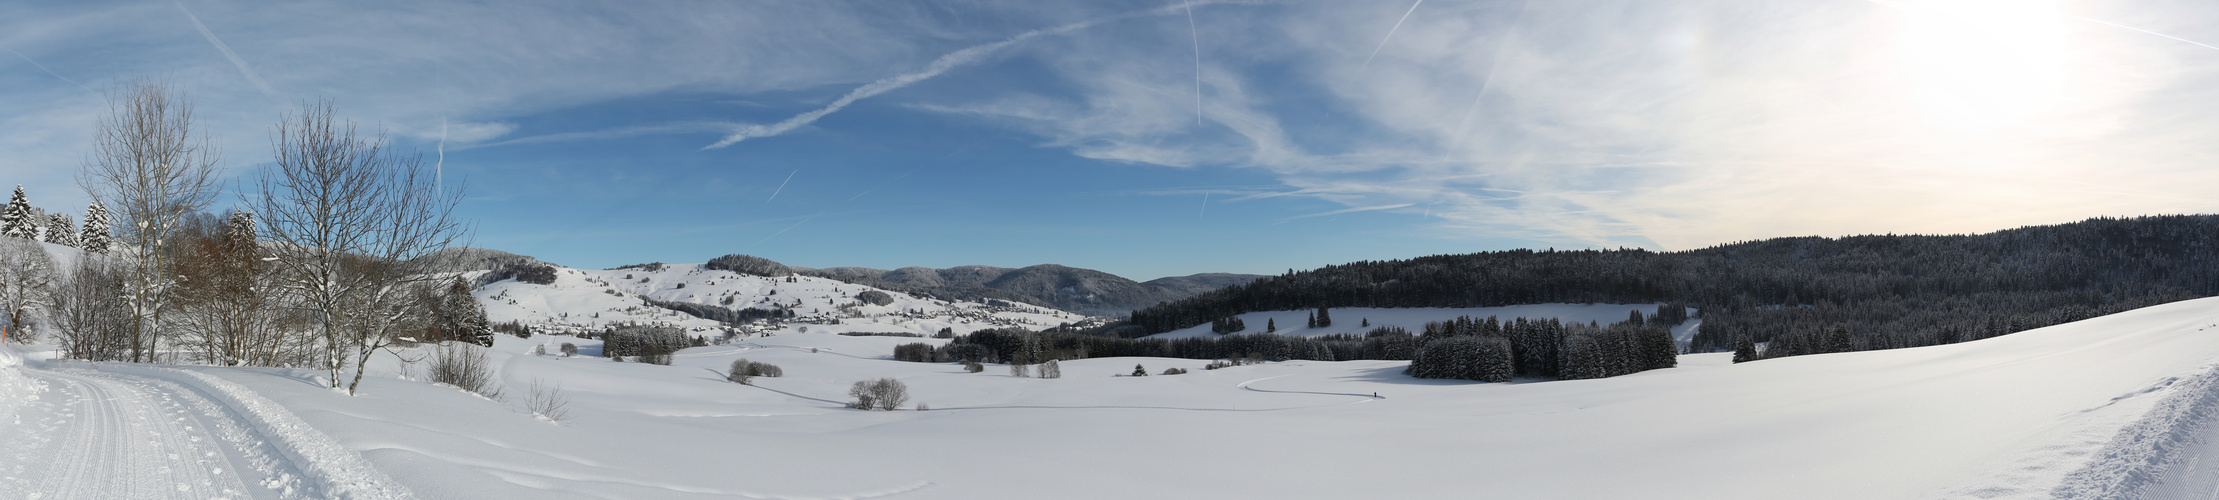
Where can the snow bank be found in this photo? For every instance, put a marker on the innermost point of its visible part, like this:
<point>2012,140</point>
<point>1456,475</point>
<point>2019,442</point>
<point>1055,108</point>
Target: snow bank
<point>339,472</point>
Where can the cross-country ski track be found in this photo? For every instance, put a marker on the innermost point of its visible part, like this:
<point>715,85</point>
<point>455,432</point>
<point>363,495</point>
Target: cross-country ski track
<point>151,433</point>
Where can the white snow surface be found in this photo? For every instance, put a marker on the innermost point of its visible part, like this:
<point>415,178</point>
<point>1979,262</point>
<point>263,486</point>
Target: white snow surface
<point>581,300</point>
<point>2014,416</point>
<point>2104,408</point>
<point>1351,320</point>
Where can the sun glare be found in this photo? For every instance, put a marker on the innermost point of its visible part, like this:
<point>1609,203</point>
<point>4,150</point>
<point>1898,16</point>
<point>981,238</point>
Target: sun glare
<point>1984,63</point>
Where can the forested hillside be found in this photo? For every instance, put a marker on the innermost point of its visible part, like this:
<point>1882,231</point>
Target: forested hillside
<point>1804,295</point>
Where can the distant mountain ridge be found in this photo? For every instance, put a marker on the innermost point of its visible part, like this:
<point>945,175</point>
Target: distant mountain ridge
<point>1067,288</point>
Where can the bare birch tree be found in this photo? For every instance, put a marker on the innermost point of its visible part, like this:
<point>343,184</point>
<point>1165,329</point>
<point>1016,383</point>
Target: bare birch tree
<point>149,166</point>
<point>354,228</point>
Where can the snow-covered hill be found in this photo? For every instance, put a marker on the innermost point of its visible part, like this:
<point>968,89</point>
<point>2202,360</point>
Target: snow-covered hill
<point>582,300</point>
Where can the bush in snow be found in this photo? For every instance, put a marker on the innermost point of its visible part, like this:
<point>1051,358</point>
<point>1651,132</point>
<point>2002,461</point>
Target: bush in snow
<point>1174,371</point>
<point>1051,369</point>
<point>569,349</point>
<point>464,366</point>
<point>1140,371</point>
<point>547,402</point>
<point>875,297</point>
<point>883,394</point>
<point>973,366</point>
<point>743,370</point>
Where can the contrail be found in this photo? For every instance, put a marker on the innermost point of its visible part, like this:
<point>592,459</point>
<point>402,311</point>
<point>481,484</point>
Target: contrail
<point>1205,205</point>
<point>782,231</point>
<point>1344,211</point>
<point>2131,28</point>
<point>1493,66</point>
<point>439,169</point>
<point>951,60</point>
<point>51,72</point>
<point>226,49</point>
<point>1897,5</point>
<point>781,186</point>
<point>1391,32</point>
<point>1197,33</point>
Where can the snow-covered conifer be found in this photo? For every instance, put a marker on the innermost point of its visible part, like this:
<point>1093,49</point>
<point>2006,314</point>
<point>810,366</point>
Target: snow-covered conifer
<point>16,220</point>
<point>95,236</point>
<point>60,230</point>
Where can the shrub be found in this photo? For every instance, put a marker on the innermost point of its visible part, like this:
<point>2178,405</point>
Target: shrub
<point>1174,371</point>
<point>569,349</point>
<point>743,370</point>
<point>1140,371</point>
<point>547,402</point>
<point>464,366</point>
<point>973,366</point>
<point>539,350</point>
<point>884,394</point>
<point>1051,369</point>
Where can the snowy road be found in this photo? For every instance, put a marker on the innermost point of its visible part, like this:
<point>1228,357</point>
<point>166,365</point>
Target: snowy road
<point>88,434</point>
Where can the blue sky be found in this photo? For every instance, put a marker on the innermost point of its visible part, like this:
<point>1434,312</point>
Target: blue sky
<point>1166,138</point>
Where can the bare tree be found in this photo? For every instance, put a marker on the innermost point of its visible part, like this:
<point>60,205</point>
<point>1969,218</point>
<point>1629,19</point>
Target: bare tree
<point>89,321</point>
<point>885,394</point>
<point>356,230</point>
<point>231,313</point>
<point>149,166</point>
<point>26,283</point>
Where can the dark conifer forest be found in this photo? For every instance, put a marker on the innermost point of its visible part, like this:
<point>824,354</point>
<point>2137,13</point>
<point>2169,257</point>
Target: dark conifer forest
<point>1802,295</point>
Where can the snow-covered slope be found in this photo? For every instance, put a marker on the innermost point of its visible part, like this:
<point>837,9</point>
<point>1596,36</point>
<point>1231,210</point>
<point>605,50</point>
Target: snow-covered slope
<point>2018,416</point>
<point>586,300</point>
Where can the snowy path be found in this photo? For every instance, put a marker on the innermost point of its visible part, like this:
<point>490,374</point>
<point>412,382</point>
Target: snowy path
<point>100,435</point>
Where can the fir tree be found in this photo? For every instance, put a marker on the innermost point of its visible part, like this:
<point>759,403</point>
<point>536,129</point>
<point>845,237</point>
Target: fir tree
<point>95,236</point>
<point>1271,325</point>
<point>1313,323</point>
<point>60,230</point>
<point>16,220</point>
<point>1325,317</point>
<point>1745,350</point>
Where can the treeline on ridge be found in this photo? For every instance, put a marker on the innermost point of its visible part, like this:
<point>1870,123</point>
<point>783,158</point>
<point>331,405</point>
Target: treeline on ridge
<point>1487,350</point>
<point>1880,291</point>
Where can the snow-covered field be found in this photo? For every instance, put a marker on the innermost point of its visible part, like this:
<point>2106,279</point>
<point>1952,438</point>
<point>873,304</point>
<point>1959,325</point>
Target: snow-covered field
<point>586,300</point>
<point>2020,416</point>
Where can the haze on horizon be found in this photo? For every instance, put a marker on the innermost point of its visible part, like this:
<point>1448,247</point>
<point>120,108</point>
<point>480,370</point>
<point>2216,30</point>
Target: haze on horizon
<point>1167,138</point>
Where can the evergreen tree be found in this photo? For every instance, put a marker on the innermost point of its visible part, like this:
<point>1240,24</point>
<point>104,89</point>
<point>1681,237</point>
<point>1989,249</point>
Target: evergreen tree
<point>1140,371</point>
<point>1745,350</point>
<point>1313,323</point>
<point>60,230</point>
<point>1325,317</point>
<point>1367,323</point>
<point>1271,325</point>
<point>16,220</point>
<point>95,236</point>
